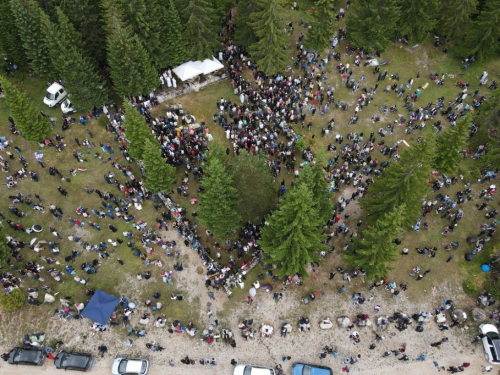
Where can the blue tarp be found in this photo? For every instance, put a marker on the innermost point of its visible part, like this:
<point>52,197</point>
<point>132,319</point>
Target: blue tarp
<point>100,307</point>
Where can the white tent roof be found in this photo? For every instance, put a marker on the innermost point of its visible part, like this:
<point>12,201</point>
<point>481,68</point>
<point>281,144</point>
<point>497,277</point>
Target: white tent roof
<point>208,66</point>
<point>187,70</point>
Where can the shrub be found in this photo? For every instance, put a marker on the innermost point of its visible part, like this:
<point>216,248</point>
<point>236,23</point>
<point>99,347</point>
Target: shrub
<point>469,286</point>
<point>13,300</point>
<point>103,121</point>
<point>301,144</point>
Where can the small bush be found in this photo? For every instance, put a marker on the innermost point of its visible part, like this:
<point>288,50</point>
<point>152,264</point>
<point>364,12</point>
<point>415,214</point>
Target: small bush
<point>476,174</point>
<point>102,121</point>
<point>301,144</point>
<point>12,301</point>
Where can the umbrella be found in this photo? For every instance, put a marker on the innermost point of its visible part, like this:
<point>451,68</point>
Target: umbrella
<point>32,241</point>
<point>252,292</point>
<point>469,257</point>
<point>343,322</point>
<point>267,287</point>
<point>471,239</point>
<point>194,200</point>
<point>37,228</point>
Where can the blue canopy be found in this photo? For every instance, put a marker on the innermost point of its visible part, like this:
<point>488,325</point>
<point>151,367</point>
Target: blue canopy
<point>100,307</point>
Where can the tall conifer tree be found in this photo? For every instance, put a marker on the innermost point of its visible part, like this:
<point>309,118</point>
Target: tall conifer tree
<point>175,45</point>
<point>136,130</point>
<point>417,18</point>
<point>449,144</point>
<point>322,25</point>
<point>33,126</point>
<point>159,175</point>
<point>294,235</point>
<point>244,33</point>
<point>219,201</point>
<point>200,30</point>
<point>372,23</point>
<point>456,17</point>
<point>403,182</point>
<point>10,41</point>
<point>269,51</point>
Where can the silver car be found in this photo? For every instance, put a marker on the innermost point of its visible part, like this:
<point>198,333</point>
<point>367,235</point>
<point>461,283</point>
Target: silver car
<point>491,343</point>
<point>253,370</point>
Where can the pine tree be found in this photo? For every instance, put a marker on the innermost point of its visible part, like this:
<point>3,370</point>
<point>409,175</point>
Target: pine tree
<point>87,16</point>
<point>219,201</point>
<point>4,249</point>
<point>159,175</point>
<point>84,85</point>
<point>482,38</point>
<point>417,18</point>
<point>449,144</point>
<point>257,190</point>
<point>403,182</point>
<point>130,66</point>
<point>372,23</point>
<point>294,236</point>
<point>175,45</point>
<point>10,42</point>
<point>27,15</point>
<point>374,248</point>
<point>136,130</point>
<point>322,25</point>
<point>456,17</point>
<point>200,30</point>
<point>269,51</point>
<point>489,132</point>
<point>244,33</point>
<point>33,126</point>
<point>314,178</point>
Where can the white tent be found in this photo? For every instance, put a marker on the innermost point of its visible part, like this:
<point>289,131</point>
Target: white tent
<point>208,66</point>
<point>187,70</point>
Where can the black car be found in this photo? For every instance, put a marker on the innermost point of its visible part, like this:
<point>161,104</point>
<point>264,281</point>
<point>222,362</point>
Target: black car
<point>26,356</point>
<point>74,361</point>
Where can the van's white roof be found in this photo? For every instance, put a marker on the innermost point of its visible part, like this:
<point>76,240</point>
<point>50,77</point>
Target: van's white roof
<point>54,87</point>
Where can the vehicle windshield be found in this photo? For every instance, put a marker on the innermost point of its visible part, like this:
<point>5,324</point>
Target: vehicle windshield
<point>49,96</point>
<point>144,366</point>
<point>123,366</point>
<point>306,370</point>
<point>64,360</point>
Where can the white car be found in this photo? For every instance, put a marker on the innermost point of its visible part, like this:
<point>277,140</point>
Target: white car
<point>491,343</point>
<point>67,107</point>
<point>130,366</point>
<point>253,370</point>
<point>54,95</point>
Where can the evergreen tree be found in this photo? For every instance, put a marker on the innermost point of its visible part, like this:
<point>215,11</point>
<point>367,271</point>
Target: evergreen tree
<point>482,38</point>
<point>374,248</point>
<point>200,30</point>
<point>322,25</point>
<point>130,66</point>
<point>403,182</point>
<point>314,178</point>
<point>87,16</point>
<point>10,42</point>
<point>269,51</point>
<point>136,130</point>
<point>417,18</point>
<point>294,236</point>
<point>159,175</point>
<point>175,45</point>
<point>489,132</point>
<point>372,23</point>
<point>27,15</point>
<point>244,33</point>
<point>257,190</point>
<point>219,201</point>
<point>449,144</point>
<point>4,249</point>
<point>83,84</point>
<point>33,126</point>
<point>456,16</point>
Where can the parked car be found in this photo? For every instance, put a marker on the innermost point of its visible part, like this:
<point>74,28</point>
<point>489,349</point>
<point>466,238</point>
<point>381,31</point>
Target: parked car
<point>306,369</point>
<point>130,366</point>
<point>74,361</point>
<point>67,107</point>
<point>253,370</point>
<point>491,343</point>
<point>54,95</point>
<point>26,356</point>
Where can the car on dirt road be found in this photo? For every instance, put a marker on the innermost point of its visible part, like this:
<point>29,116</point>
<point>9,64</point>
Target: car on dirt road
<point>130,366</point>
<point>74,361</point>
<point>491,343</point>
<point>26,356</point>
<point>253,370</point>
<point>306,369</point>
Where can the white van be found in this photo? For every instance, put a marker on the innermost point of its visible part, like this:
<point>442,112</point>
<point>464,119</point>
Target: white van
<point>54,95</point>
